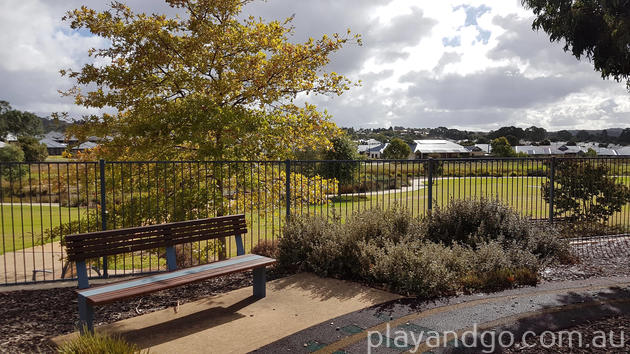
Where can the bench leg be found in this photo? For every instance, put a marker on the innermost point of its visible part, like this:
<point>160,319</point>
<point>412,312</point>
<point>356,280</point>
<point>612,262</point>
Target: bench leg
<point>259,283</point>
<point>86,316</point>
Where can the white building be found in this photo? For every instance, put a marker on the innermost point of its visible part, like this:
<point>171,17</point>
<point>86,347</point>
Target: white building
<point>438,148</point>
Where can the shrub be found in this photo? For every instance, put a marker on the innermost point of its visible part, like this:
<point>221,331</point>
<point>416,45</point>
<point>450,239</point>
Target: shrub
<point>330,248</point>
<point>266,248</point>
<point>467,246</point>
<point>425,269</point>
<point>473,222</point>
<point>300,236</point>
<point>11,153</point>
<point>33,149</point>
<point>585,192</point>
<point>96,344</point>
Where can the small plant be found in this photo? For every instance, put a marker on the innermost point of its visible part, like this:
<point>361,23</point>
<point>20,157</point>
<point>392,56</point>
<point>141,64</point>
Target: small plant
<point>584,192</point>
<point>266,248</point>
<point>97,344</point>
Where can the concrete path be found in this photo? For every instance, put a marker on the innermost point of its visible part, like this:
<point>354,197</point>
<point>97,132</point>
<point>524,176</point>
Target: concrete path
<point>410,326</point>
<point>416,185</point>
<point>236,323</point>
<point>18,266</point>
<point>43,263</point>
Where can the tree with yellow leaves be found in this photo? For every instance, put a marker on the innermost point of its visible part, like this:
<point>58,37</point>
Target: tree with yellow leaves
<point>205,85</point>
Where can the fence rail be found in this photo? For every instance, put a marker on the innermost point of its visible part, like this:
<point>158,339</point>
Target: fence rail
<point>43,202</point>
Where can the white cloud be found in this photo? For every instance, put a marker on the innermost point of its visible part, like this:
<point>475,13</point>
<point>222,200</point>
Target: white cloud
<point>497,72</point>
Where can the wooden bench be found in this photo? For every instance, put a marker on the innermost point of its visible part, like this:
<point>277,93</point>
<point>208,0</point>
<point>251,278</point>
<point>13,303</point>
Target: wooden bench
<point>82,247</point>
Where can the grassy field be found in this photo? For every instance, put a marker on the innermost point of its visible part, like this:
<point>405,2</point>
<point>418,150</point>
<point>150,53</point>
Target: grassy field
<point>22,229</point>
<point>22,225</point>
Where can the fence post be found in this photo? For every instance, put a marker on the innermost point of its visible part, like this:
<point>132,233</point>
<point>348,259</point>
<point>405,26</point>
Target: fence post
<point>552,173</point>
<point>101,165</point>
<point>430,183</point>
<point>288,188</point>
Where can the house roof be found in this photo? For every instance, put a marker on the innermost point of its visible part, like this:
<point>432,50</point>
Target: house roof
<point>378,148</point>
<point>604,151</point>
<point>624,151</point>
<point>537,150</point>
<point>54,135</point>
<point>86,145</point>
<point>472,148</point>
<point>10,137</point>
<point>50,143</point>
<point>548,149</point>
<point>371,142</point>
<point>484,147</point>
<point>437,147</point>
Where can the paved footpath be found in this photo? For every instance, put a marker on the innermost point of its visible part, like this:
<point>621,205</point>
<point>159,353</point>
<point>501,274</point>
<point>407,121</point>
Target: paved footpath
<point>396,327</point>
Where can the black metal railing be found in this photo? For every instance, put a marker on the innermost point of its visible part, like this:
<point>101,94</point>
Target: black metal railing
<point>43,202</point>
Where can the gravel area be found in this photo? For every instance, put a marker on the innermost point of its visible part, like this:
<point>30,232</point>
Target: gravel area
<point>598,257</point>
<point>29,317</point>
<point>615,340</point>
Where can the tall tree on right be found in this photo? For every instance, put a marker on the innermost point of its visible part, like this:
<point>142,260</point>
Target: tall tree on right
<point>598,30</point>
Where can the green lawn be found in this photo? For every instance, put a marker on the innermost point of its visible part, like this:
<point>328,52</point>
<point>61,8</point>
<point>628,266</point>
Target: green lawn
<point>22,225</point>
<point>522,193</point>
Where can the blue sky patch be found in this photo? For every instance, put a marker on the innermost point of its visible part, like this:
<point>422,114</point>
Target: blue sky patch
<point>483,35</point>
<point>473,13</point>
<point>452,42</point>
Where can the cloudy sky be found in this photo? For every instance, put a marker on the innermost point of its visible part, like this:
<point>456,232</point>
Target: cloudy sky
<point>463,64</point>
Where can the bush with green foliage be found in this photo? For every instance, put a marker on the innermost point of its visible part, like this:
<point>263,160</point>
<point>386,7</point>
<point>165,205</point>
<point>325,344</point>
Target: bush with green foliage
<point>97,344</point>
<point>584,191</point>
<point>266,248</point>
<point>11,153</point>
<point>343,149</point>
<point>397,150</point>
<point>33,150</point>
<point>451,250</point>
<point>480,221</point>
<point>501,147</point>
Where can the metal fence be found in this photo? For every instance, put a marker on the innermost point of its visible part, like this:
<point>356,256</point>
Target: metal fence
<point>42,202</point>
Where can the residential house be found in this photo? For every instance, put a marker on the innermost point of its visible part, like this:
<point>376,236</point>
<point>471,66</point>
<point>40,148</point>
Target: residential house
<point>54,147</point>
<point>550,150</point>
<point>84,146</point>
<point>55,136</point>
<point>365,145</point>
<point>376,152</point>
<point>421,149</point>
<point>475,150</point>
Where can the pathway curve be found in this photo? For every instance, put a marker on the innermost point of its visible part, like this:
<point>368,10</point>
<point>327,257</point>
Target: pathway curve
<point>397,326</point>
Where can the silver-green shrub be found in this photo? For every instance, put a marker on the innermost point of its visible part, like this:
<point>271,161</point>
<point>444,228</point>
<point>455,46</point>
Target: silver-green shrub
<point>468,246</point>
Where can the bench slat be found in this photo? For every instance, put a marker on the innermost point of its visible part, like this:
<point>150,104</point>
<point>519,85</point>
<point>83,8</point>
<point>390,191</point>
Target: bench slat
<point>139,286</point>
<point>131,240</point>
<point>171,225</point>
<point>107,243</point>
<point>96,252</point>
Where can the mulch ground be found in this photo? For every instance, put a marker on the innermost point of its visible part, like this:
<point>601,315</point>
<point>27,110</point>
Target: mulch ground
<point>29,317</point>
<point>606,258</point>
<point>615,338</point>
